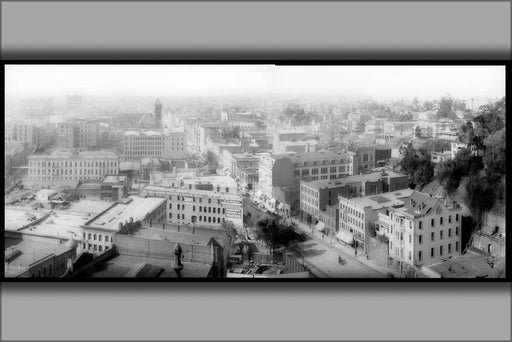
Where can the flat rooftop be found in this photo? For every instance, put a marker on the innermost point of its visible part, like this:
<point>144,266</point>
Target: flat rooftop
<point>470,265</point>
<point>89,206</point>
<point>341,182</point>
<point>387,199</point>
<point>17,218</point>
<point>32,250</point>
<point>138,208</point>
<point>189,234</point>
<point>173,236</point>
<point>313,156</point>
<point>127,265</point>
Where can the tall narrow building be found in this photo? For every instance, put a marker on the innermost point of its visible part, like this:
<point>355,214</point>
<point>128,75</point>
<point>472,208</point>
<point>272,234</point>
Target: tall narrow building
<point>158,114</point>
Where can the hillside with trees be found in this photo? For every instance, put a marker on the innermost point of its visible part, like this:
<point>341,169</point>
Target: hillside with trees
<point>480,168</point>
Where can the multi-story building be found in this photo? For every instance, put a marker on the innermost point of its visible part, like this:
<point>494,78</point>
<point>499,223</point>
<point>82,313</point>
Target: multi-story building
<point>245,169</point>
<point>98,232</point>
<point>424,231</point>
<point>375,126</point>
<point>396,128</point>
<point>358,216</point>
<point>168,144</point>
<point>291,168</point>
<point>68,135</point>
<point>315,196</point>
<point>21,133</point>
<point>64,168</point>
<point>201,205</point>
<point>88,133</point>
<point>81,134</point>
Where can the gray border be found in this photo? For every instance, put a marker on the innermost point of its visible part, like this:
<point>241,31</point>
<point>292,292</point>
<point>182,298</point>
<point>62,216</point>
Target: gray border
<point>253,30</point>
<point>104,317</point>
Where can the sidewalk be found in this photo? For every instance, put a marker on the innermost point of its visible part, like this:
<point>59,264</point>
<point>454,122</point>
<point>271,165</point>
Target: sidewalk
<point>344,250</point>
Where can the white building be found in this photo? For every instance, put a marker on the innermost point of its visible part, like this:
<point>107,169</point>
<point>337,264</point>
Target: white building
<point>168,144</point>
<point>191,206</point>
<point>424,231</point>
<point>64,168</point>
<point>358,214</point>
<point>99,231</point>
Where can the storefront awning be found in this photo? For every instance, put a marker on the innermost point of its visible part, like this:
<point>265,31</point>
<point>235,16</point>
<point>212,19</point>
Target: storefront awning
<point>345,236</point>
<point>320,226</point>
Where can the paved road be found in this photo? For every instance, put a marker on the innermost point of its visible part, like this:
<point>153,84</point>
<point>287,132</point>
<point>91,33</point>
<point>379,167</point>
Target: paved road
<point>323,261</point>
<point>321,258</point>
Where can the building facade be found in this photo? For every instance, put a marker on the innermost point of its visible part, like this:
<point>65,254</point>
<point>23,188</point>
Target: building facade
<point>199,207</point>
<point>66,168</point>
<point>167,144</point>
<point>425,230</point>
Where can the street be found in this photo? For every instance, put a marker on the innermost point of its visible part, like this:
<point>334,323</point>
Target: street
<point>320,256</point>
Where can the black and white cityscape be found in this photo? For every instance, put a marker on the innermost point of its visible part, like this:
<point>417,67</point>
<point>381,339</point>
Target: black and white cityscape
<point>254,171</point>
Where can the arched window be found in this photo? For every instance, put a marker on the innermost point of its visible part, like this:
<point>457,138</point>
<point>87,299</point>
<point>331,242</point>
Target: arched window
<point>94,237</point>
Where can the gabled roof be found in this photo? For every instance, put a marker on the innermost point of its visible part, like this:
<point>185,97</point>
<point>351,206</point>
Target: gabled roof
<point>420,204</point>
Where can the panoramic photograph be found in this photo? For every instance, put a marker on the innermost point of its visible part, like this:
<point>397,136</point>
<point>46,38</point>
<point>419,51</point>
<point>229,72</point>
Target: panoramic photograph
<point>254,171</point>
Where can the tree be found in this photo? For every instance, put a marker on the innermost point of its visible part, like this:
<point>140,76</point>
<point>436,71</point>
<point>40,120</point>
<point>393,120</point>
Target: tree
<point>418,165</point>
<point>435,145</point>
<point>274,234</point>
<point>428,105</point>
<point>446,109</point>
<point>417,131</point>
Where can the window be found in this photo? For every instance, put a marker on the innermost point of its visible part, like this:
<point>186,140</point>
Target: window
<point>170,205</point>
<point>170,215</point>
<point>419,224</point>
<point>432,223</point>
<point>441,234</point>
<point>449,248</point>
<point>94,237</point>
<point>410,239</point>
<point>450,232</point>
<point>90,236</point>
<point>99,237</point>
<point>194,208</point>
<point>95,247</point>
<point>420,239</point>
<point>100,248</point>
<point>457,231</point>
<point>457,218</point>
<point>449,218</point>
<point>456,246</point>
<point>440,250</point>
<point>431,252</point>
<point>432,236</point>
<point>106,238</point>
<point>419,255</point>
<point>440,220</point>
<point>178,207</point>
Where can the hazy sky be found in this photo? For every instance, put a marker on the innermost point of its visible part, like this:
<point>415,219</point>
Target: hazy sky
<point>380,82</point>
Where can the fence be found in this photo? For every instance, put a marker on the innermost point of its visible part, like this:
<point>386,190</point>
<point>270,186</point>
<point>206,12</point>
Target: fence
<point>289,261</point>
